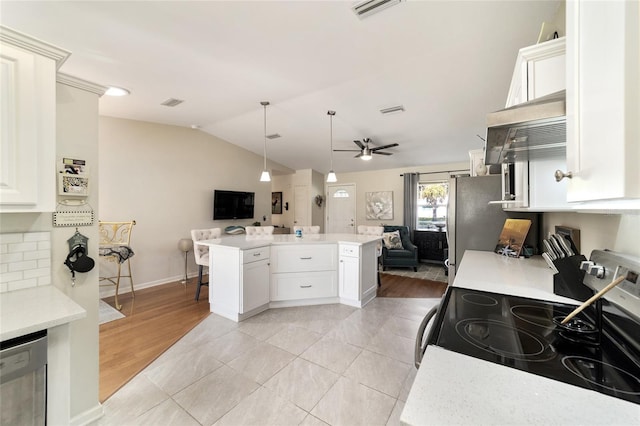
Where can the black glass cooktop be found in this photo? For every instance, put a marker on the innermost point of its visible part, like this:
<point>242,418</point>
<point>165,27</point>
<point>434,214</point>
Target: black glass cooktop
<point>525,334</point>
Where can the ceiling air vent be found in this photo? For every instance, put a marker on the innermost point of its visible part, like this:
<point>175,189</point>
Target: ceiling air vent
<point>369,7</point>
<point>171,102</point>
<point>391,110</point>
<point>273,136</point>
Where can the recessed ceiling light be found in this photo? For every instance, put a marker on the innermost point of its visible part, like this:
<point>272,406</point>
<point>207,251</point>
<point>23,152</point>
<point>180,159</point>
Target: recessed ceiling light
<point>117,91</point>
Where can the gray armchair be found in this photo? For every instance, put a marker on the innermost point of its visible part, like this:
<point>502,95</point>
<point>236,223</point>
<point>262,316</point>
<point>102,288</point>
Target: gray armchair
<point>407,257</point>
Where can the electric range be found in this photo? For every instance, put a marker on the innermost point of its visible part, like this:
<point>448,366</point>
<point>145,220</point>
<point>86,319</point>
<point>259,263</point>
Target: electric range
<point>598,350</point>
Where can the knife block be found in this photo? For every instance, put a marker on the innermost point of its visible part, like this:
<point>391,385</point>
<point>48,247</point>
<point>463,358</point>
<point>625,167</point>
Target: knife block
<point>568,281</point>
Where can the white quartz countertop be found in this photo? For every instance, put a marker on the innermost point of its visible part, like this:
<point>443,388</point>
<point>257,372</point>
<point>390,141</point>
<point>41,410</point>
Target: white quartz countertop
<point>34,309</point>
<point>456,389</point>
<point>244,242</point>
<point>488,271</point>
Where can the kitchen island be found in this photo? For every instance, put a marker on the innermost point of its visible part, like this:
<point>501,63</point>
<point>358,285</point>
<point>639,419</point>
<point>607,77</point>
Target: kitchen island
<point>452,388</point>
<point>251,273</point>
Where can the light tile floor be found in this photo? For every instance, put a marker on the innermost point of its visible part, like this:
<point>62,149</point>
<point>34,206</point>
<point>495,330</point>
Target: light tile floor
<point>312,365</point>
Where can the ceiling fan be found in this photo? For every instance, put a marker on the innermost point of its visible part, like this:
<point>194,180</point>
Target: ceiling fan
<point>365,151</point>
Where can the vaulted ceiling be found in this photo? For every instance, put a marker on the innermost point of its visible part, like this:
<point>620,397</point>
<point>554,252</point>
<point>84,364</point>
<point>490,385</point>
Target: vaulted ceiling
<point>448,63</point>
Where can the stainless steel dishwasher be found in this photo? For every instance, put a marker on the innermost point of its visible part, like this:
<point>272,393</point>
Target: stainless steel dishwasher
<point>23,380</point>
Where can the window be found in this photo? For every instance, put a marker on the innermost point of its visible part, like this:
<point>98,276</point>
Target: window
<point>433,199</point>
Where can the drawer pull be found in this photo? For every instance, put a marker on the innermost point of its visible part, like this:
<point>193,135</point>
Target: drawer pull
<point>256,254</point>
<point>305,258</point>
<point>305,286</point>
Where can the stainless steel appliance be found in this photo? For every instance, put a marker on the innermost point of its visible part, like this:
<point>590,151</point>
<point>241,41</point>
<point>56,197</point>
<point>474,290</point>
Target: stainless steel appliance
<point>534,129</point>
<point>23,380</point>
<point>473,223</point>
<point>600,350</point>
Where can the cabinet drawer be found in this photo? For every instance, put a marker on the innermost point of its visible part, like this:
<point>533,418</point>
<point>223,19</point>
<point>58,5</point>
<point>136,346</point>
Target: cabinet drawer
<point>350,250</point>
<point>313,257</point>
<point>254,255</point>
<point>295,286</point>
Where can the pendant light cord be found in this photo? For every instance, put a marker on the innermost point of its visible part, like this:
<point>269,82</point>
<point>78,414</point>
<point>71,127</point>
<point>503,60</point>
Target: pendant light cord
<point>265,134</point>
<point>331,138</point>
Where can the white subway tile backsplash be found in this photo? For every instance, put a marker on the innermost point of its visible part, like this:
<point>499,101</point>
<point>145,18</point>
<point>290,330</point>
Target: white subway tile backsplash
<point>37,236</point>
<point>38,254</point>
<point>25,260</point>
<point>23,266</point>
<point>22,247</point>
<point>11,238</point>
<point>36,273</point>
<point>8,277</point>
<point>22,284</point>
<point>11,257</point>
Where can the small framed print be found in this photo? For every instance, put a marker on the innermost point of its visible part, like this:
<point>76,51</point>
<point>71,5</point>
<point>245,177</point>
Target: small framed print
<point>276,203</point>
<point>71,185</point>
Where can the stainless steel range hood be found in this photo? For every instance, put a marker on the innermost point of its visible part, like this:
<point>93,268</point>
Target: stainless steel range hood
<point>534,129</point>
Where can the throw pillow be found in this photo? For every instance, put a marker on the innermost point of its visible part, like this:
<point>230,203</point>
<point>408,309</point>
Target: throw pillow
<point>392,240</point>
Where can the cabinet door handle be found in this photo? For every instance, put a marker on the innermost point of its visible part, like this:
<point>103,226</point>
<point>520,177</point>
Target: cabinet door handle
<point>305,258</point>
<point>305,286</point>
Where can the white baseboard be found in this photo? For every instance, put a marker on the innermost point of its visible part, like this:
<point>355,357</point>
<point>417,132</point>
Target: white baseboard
<point>87,417</point>
<point>125,286</point>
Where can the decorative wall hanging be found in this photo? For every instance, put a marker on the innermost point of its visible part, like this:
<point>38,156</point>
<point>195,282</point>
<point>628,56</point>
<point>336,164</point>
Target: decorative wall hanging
<point>319,200</point>
<point>73,178</point>
<point>73,213</point>
<point>276,203</point>
<point>379,205</point>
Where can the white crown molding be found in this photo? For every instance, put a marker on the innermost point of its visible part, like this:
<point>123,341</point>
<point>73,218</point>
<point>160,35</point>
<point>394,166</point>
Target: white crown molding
<point>7,35</point>
<point>81,84</point>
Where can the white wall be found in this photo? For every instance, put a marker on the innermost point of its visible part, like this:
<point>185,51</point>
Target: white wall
<point>164,177</point>
<point>76,137</point>
<point>390,180</point>
<point>618,232</point>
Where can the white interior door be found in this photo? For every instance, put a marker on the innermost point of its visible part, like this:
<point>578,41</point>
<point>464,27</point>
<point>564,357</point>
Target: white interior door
<point>301,204</point>
<point>341,209</point>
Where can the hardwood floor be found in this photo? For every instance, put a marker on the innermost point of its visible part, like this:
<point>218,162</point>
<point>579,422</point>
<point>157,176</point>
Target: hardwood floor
<point>155,320</point>
<point>161,315</point>
<point>399,286</point>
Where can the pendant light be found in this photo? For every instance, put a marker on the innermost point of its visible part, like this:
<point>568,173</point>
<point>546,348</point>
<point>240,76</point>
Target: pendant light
<point>331,177</point>
<point>265,177</point>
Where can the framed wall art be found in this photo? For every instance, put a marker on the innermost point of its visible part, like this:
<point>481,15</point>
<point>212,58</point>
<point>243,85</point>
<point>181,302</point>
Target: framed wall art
<point>276,203</point>
<point>379,205</point>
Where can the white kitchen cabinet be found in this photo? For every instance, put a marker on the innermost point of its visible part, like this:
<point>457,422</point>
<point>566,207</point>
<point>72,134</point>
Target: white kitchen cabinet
<point>603,102</point>
<point>539,71</point>
<point>28,115</point>
<point>303,272</point>
<point>238,281</point>
<point>255,280</point>
<point>357,273</point>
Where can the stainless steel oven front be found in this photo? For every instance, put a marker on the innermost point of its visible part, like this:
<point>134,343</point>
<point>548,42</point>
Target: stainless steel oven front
<point>23,380</point>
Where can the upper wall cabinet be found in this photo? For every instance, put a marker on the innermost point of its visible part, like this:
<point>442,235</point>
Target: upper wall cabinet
<point>28,116</point>
<point>603,102</point>
<point>539,71</point>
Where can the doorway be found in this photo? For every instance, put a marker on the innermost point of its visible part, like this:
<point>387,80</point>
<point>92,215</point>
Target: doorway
<point>341,209</point>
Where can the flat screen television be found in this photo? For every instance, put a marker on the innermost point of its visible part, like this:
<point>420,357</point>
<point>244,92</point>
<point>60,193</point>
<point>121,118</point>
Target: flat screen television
<point>232,205</point>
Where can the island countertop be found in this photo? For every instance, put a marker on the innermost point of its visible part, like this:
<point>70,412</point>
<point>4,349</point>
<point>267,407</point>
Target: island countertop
<point>244,242</point>
<point>33,309</point>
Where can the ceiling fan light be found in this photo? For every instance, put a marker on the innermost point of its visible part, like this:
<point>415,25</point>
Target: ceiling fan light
<point>366,157</point>
<point>265,176</point>
<point>331,177</point>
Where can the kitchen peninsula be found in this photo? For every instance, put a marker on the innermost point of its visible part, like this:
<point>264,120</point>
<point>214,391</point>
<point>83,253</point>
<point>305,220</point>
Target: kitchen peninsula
<point>251,273</point>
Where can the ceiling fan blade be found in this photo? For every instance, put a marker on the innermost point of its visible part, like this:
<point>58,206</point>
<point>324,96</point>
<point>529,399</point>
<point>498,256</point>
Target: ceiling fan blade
<point>360,145</point>
<point>381,153</point>
<point>346,150</point>
<point>358,156</point>
<point>391,145</point>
